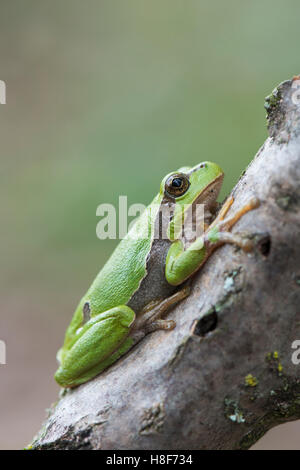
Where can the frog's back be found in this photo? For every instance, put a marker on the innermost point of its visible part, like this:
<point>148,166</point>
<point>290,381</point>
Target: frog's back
<point>121,276</point>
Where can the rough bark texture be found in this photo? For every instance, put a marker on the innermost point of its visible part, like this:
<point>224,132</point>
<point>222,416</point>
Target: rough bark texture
<point>225,375</point>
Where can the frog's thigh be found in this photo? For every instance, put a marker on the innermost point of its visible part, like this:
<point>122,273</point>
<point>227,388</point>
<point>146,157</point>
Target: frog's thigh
<point>96,343</point>
<point>98,368</point>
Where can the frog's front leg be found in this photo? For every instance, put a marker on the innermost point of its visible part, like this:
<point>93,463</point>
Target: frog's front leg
<point>218,232</point>
<point>99,343</point>
<point>181,263</point>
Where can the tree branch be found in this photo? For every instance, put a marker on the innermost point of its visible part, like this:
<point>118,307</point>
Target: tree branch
<point>224,376</point>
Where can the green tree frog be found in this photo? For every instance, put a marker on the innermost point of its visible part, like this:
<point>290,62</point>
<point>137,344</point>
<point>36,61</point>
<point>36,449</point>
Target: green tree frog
<point>148,272</point>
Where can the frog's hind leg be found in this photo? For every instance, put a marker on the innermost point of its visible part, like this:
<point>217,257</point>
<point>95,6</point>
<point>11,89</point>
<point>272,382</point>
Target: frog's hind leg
<point>96,345</point>
<point>150,318</point>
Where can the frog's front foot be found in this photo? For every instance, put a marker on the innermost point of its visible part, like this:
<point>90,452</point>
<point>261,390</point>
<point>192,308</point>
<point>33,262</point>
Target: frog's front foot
<point>253,203</point>
<point>160,325</point>
<point>242,241</point>
<point>219,231</point>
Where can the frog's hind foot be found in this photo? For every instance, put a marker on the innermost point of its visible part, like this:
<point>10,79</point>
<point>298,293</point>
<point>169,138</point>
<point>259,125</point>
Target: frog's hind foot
<point>151,320</point>
<point>159,325</point>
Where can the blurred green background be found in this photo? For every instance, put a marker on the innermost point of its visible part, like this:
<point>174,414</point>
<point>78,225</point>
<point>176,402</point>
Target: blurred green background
<point>103,99</point>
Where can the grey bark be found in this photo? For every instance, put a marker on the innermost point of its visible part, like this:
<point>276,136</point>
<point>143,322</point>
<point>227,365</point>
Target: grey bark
<point>224,375</point>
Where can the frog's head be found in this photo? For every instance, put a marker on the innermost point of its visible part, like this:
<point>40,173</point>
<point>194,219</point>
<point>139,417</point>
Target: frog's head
<point>200,184</point>
<point>188,187</point>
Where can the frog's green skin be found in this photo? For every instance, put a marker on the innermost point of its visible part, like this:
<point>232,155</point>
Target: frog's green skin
<point>140,280</point>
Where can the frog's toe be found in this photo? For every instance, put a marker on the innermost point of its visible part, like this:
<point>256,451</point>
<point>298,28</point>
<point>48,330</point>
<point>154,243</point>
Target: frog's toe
<point>247,245</point>
<point>254,202</point>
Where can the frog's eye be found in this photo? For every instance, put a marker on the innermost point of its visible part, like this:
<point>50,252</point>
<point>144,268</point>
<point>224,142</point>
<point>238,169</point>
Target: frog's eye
<point>177,184</point>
